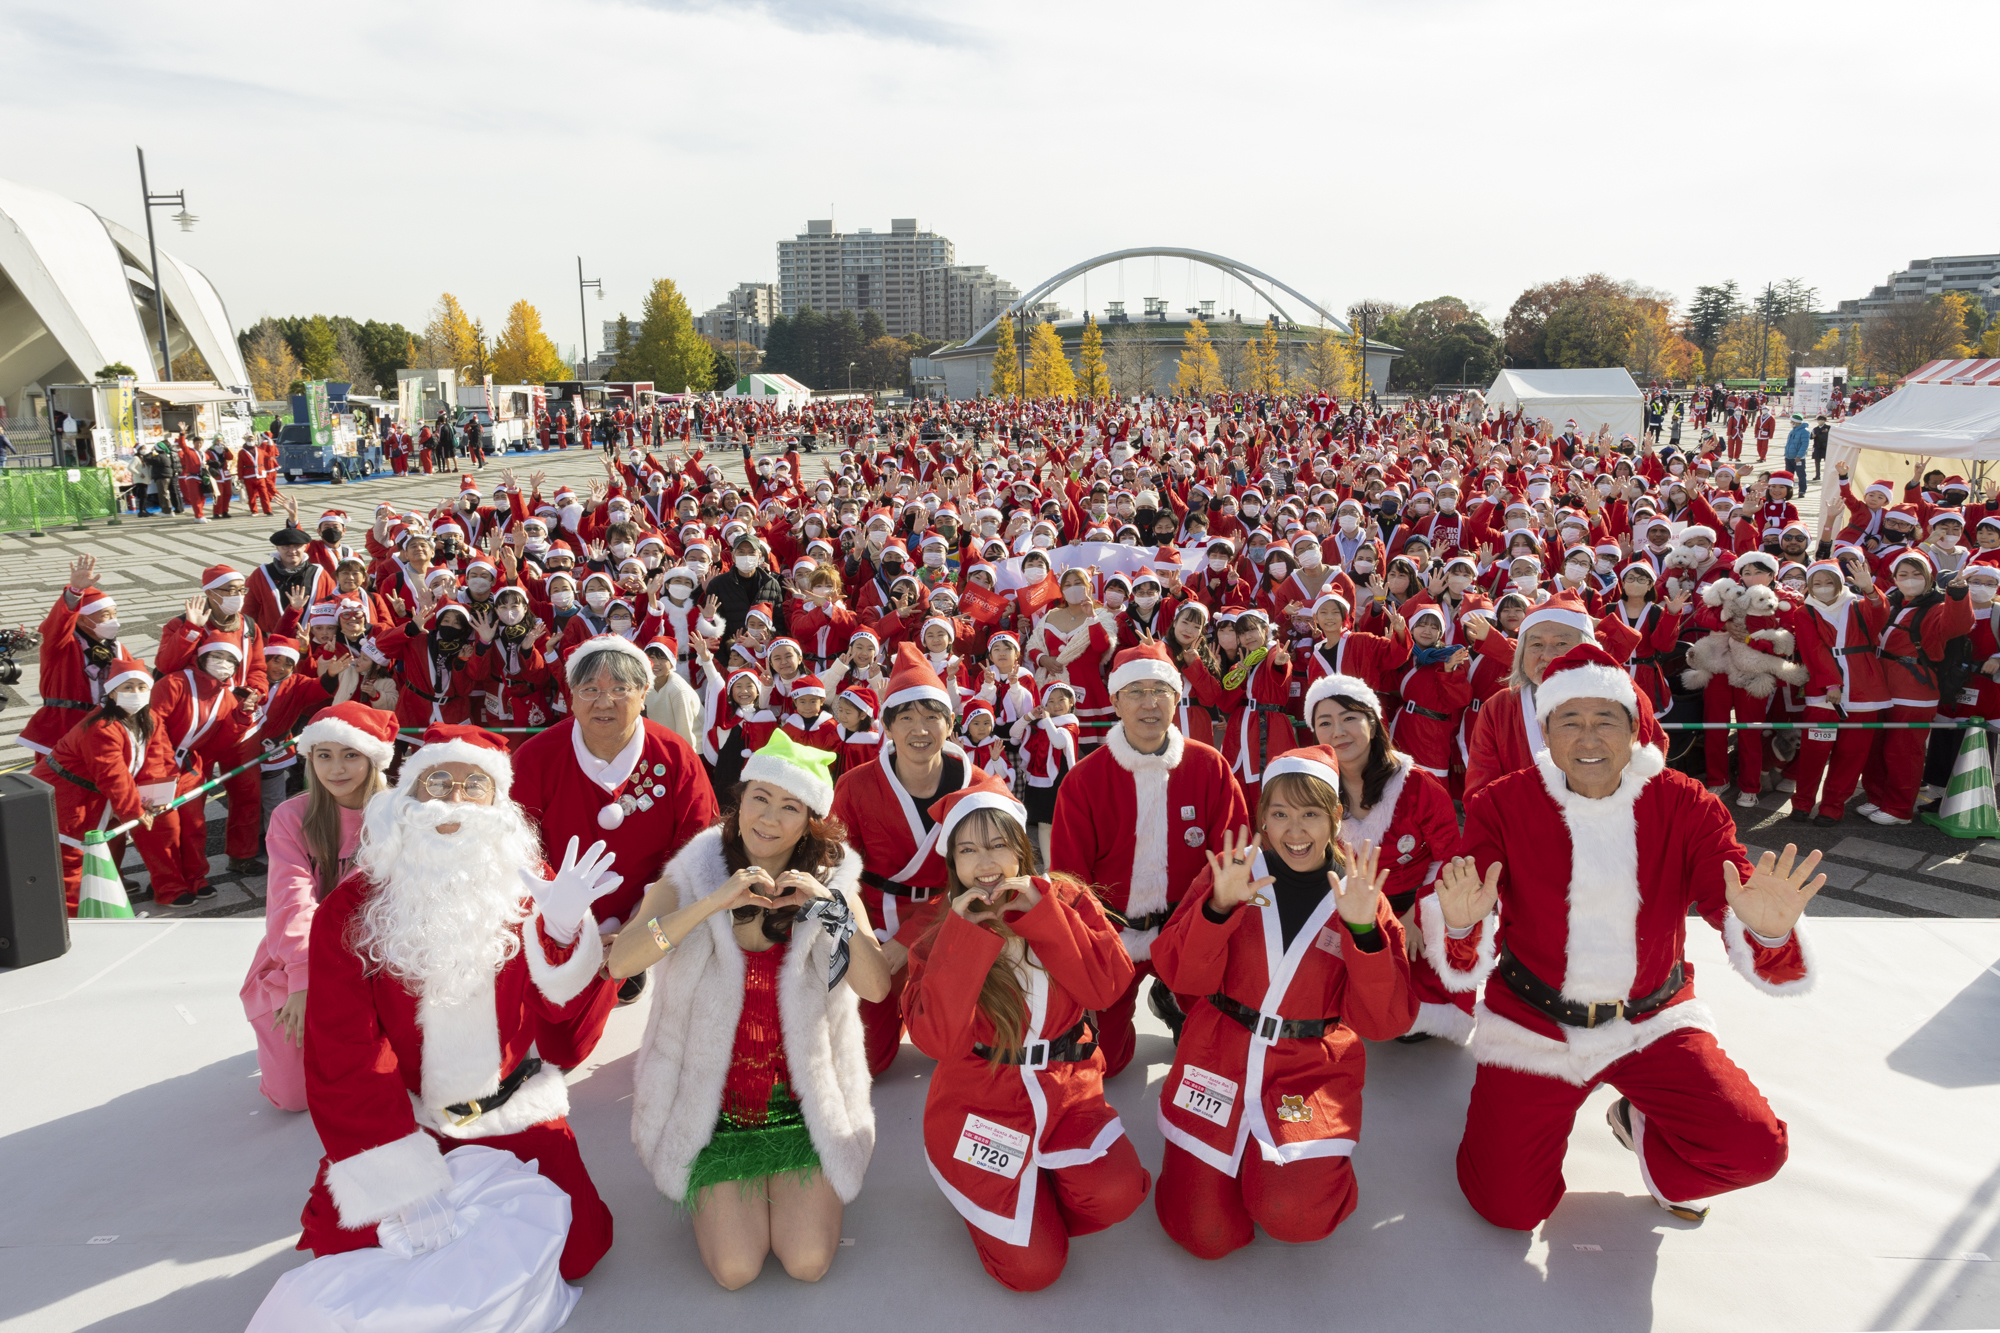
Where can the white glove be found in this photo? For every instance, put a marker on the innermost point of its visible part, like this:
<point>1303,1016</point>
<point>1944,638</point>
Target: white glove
<point>428,1224</point>
<point>565,901</point>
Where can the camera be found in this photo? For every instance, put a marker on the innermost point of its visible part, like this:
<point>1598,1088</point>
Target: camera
<point>13,643</point>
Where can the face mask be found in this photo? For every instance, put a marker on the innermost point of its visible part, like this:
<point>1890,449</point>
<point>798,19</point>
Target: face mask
<point>1604,566</point>
<point>1447,506</point>
<point>1526,582</point>
<point>537,545</point>
<point>1251,511</point>
<point>988,528</point>
<point>1034,573</point>
<point>481,586</point>
<point>1043,540</point>
<point>1418,508</point>
<point>1829,593</point>
<point>452,632</point>
<point>1348,523</point>
<point>1364,566</point>
<point>219,667</point>
<point>620,625</point>
<point>1279,571</point>
<point>1073,594</point>
<point>330,535</point>
<point>562,599</point>
<point>1538,490</point>
<point>512,615</point>
<point>470,503</point>
<point>1458,583</point>
<point>231,605</point>
<point>1980,593</point>
<point>934,558</point>
<point>679,592</point>
<point>133,700</point>
<point>1146,601</point>
<point>1218,563</point>
<point>1577,570</point>
<point>746,565</point>
<point>619,550</point>
<point>1911,585</point>
<point>1604,489</point>
<point>620,515</point>
<point>572,515</point>
<point>597,599</point>
<point>1308,557</point>
<point>1114,598</point>
<point>1677,468</point>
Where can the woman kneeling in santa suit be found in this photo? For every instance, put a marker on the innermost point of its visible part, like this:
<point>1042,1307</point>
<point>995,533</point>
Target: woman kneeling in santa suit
<point>751,1091</point>
<point>1390,801</point>
<point>1594,857</point>
<point>1274,1053</point>
<point>1016,1128</point>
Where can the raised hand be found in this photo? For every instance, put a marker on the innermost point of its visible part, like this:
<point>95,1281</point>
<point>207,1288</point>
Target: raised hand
<point>196,610</point>
<point>485,624</point>
<point>1355,895</point>
<point>83,572</point>
<point>1230,872</point>
<point>1771,901</point>
<point>296,599</point>
<point>1463,897</point>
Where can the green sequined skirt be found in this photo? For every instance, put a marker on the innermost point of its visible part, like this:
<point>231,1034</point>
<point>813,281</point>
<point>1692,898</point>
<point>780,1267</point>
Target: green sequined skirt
<point>777,1145</point>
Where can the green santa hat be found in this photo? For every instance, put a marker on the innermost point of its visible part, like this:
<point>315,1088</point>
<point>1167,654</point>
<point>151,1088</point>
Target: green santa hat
<point>799,769</point>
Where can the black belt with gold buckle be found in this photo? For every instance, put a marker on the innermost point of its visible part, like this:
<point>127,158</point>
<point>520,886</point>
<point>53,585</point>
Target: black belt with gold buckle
<point>1575,1013</point>
<point>464,1113</point>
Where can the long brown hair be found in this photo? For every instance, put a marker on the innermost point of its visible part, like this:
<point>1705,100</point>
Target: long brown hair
<point>319,829</point>
<point>1382,756</point>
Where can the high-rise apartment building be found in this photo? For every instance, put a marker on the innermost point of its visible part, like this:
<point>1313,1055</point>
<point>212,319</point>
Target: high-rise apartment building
<point>1978,276</point>
<point>744,315</point>
<point>958,299</point>
<point>832,271</point>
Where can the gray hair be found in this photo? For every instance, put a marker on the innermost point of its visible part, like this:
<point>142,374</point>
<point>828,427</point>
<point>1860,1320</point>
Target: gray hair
<point>624,668</point>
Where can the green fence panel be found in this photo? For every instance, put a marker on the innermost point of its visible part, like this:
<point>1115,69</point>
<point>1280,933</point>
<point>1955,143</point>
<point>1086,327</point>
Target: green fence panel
<point>37,499</point>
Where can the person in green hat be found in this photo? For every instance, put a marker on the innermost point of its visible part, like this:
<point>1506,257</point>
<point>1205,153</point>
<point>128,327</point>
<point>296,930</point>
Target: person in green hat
<point>751,1103</point>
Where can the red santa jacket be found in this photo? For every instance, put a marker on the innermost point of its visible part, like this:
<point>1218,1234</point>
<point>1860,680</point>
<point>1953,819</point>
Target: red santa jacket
<point>71,684</point>
<point>1138,827</point>
<point>1047,1118</point>
<point>262,603</point>
<point>1837,645</point>
<point>1298,1097</point>
<point>1915,636</point>
<point>1507,734</point>
<point>95,769</point>
<point>179,640</point>
<point>1594,899</point>
<point>895,840</point>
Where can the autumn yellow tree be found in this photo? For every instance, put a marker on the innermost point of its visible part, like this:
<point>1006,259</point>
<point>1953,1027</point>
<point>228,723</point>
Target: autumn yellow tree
<point>1749,348</point>
<point>1267,362</point>
<point>1049,373</point>
<point>1093,377</point>
<point>524,354</point>
<point>1006,379</point>
<point>448,341</point>
<point>1200,372</point>
<point>270,362</point>
<point>1329,367</point>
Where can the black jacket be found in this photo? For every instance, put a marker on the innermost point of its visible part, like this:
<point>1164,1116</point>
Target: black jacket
<point>735,595</point>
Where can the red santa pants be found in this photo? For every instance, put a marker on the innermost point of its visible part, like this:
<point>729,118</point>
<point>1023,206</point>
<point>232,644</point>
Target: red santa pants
<point>1718,701</point>
<point>224,489</point>
<point>1763,446</point>
<point>551,1145</point>
<point>399,464</point>
<point>191,841</point>
<point>882,1025</point>
<point>1073,1201</point>
<point>1209,1214</point>
<point>1895,767</point>
<point>1702,1128</point>
<point>1848,751</point>
<point>245,831</point>
<point>191,492</point>
<point>258,491</point>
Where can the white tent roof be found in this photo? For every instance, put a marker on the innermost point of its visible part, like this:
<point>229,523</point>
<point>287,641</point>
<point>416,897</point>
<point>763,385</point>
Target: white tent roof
<point>1979,370</point>
<point>1593,397</point>
<point>1931,420</point>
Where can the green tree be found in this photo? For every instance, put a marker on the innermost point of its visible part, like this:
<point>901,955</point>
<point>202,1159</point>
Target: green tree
<point>1710,312</point>
<point>1526,325</point>
<point>724,373</point>
<point>387,347</point>
<point>1006,371</point>
<point>113,369</point>
<point>1093,379</point>
<point>872,326</point>
<point>667,350</point>
<point>1592,328</point>
<point>319,346</point>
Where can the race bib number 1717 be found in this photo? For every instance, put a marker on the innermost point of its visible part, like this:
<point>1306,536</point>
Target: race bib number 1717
<point>1210,1096</point>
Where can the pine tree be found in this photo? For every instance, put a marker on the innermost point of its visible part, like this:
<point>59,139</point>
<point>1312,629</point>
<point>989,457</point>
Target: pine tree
<point>1049,373</point>
<point>1005,376</point>
<point>1200,372</point>
<point>1093,378</point>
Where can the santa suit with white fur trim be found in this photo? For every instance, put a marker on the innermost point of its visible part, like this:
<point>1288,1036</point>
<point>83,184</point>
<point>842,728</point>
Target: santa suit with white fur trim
<point>382,1064</point>
<point>1914,633</point>
<point>1837,645</point>
<point>1761,640</point>
<point>1028,1154</point>
<point>71,684</point>
<point>1260,1132</point>
<point>1137,828</point>
<point>1594,899</point>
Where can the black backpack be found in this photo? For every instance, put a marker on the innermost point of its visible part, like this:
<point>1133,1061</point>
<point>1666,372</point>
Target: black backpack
<point>1949,671</point>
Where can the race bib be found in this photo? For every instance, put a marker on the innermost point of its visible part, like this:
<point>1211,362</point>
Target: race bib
<point>1210,1096</point>
<point>1827,734</point>
<point>992,1147</point>
<point>1969,695</point>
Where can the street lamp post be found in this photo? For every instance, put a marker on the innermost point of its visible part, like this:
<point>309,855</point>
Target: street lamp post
<point>187,221</point>
<point>583,315</point>
<point>850,377</point>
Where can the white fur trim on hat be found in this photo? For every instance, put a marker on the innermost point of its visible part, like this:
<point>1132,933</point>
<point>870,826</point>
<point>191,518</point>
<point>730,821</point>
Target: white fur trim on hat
<point>983,800</point>
<point>616,643</point>
<point>493,763</point>
<point>1144,668</point>
<point>130,673</point>
<point>1548,613</point>
<point>1749,558</point>
<point>92,607</point>
<point>279,650</point>
<point>222,580</point>
<point>1342,687</point>
<point>380,752</point>
<point>220,646</point>
<point>1298,763</point>
<point>815,791</point>
<point>1585,682</point>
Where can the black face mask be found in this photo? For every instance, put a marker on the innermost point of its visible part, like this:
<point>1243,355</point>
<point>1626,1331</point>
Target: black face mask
<point>331,536</point>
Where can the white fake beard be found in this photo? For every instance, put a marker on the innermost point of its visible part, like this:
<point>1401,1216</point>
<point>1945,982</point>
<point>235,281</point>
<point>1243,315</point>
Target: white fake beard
<point>443,916</point>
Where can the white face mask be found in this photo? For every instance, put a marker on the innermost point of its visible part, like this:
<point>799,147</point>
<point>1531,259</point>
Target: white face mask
<point>1043,540</point>
<point>619,550</point>
<point>133,700</point>
<point>511,615</point>
<point>1577,570</point>
<point>105,629</point>
<point>1829,593</point>
<point>1980,593</point>
<point>1911,585</point>
<point>1604,488</point>
<point>620,515</point>
<point>1526,582</point>
<point>1349,522</point>
<point>219,667</point>
<point>678,593</point>
<point>232,605</point>
<point>481,586</point>
<point>1073,594</point>
<point>934,557</point>
<point>1146,601</point>
<point>1114,598</point>
<point>537,545</point>
<point>619,625</point>
<point>597,599</point>
<point>1604,566</point>
<point>746,565</point>
<point>1447,505</point>
<point>988,528</point>
<point>1364,566</point>
<point>651,560</point>
<point>1517,525</point>
<point>1458,583</point>
<point>1308,557</point>
<point>1218,563</point>
<point>1279,571</point>
<point>1538,490</point>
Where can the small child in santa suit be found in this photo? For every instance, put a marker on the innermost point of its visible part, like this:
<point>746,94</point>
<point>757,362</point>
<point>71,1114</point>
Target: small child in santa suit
<point>735,724</point>
<point>985,748</point>
<point>854,727</point>
<point>1005,684</point>
<point>1047,755</point>
<point>1435,689</point>
<point>756,632</point>
<point>808,723</point>
<point>784,660</point>
<point>939,637</point>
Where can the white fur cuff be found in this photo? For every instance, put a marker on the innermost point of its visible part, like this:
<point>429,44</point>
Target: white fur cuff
<point>1743,957</point>
<point>384,1180</point>
<point>563,982</point>
<point>1431,918</point>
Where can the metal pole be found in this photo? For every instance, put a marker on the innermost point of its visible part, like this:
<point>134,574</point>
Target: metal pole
<point>583,319</point>
<point>159,288</point>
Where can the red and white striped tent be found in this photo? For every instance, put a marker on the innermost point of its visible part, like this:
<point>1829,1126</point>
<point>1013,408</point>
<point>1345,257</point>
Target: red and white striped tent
<point>1979,370</point>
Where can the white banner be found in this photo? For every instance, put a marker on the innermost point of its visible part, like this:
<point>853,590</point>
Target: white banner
<point>1106,557</point>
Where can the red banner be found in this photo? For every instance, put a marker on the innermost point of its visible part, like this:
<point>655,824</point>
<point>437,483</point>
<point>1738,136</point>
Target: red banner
<point>983,606</point>
<point>1036,596</point>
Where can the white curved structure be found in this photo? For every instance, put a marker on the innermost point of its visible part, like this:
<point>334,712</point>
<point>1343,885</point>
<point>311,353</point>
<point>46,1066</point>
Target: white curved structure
<point>1243,273</point>
<point>76,295</point>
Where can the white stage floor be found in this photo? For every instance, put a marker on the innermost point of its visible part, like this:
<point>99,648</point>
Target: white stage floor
<point>147,1186</point>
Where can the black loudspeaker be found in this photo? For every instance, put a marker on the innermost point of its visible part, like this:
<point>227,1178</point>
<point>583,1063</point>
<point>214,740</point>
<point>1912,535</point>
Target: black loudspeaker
<point>34,927</point>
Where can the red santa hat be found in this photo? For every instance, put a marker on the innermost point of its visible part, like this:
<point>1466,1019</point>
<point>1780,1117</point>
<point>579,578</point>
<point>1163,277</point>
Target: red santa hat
<point>124,669</point>
<point>1904,557</point>
<point>213,642</point>
<point>1783,479</point>
<point>280,646</point>
<point>761,611</point>
<point>447,744</point>
<point>1148,661</point>
<point>92,600</point>
<point>1565,608</point>
<point>354,724</point>
<point>605,643</point>
<point>1342,687</point>
<point>217,576</point>
<point>1755,559</point>
<point>1584,672</point>
<point>862,698</point>
<point>466,483</point>
<point>334,516</point>
<point>1313,761</point>
<point>984,792</point>
<point>1882,487</point>
<point>445,525</point>
<point>807,684</point>
<point>911,680</point>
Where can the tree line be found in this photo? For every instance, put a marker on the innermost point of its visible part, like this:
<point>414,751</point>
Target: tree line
<point>817,349</point>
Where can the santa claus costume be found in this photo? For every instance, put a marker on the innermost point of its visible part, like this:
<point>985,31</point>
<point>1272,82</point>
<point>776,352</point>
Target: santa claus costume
<point>77,658</point>
<point>1136,827</point>
<point>1585,980</point>
<point>1274,1054</point>
<point>432,976</point>
<point>1836,642</point>
<point>1016,1130</point>
<point>293,890</point>
<point>1739,662</point>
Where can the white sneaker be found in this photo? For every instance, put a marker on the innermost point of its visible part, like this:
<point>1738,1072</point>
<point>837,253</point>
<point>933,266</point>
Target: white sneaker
<point>1787,785</point>
<point>1720,788</point>
<point>1880,816</point>
<point>1746,799</point>
<point>1866,808</point>
<point>1931,792</point>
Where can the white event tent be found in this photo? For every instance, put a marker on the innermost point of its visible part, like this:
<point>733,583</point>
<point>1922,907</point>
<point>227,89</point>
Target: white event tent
<point>1606,396</point>
<point>1946,414</point>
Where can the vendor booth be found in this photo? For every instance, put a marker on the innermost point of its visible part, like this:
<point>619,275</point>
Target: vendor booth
<point>1606,396</point>
<point>1945,415</point>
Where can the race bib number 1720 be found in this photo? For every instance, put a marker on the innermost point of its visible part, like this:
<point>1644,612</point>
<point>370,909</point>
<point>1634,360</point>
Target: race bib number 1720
<point>1210,1096</point>
<point>992,1147</point>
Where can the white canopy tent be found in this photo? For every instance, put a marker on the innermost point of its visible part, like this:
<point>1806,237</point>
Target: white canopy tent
<point>1591,398</point>
<point>1920,426</point>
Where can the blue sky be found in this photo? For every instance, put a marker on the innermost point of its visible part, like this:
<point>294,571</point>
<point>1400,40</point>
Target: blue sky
<point>360,158</point>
